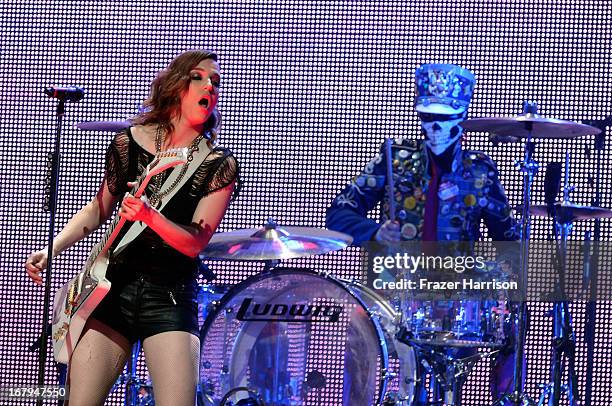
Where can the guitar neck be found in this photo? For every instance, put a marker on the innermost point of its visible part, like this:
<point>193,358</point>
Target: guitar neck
<point>160,162</point>
<point>105,244</point>
<point>113,230</point>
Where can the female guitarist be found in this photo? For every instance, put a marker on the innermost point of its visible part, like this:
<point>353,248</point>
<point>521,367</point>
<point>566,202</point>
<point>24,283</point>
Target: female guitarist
<point>153,292</point>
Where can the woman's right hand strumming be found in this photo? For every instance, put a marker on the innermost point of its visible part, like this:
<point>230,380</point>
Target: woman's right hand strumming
<point>35,264</point>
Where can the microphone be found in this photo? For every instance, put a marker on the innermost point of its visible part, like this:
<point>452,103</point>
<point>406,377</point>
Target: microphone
<point>71,93</point>
<point>552,183</point>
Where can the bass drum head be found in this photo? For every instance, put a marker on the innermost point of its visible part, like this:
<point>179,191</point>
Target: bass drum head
<point>402,364</point>
<point>294,338</point>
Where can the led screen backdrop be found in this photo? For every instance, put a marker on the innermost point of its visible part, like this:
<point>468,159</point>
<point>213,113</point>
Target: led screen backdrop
<point>310,89</point>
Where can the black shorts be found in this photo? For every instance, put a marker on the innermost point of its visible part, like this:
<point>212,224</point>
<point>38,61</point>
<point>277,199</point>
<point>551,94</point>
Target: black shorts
<point>138,307</point>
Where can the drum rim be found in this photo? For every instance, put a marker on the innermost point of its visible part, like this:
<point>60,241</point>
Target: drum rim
<point>239,287</point>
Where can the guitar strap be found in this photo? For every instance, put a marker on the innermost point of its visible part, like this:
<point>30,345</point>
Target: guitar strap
<point>198,156</point>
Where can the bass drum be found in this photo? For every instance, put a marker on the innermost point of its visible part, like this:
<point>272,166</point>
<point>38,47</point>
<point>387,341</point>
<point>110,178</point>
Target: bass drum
<point>294,337</point>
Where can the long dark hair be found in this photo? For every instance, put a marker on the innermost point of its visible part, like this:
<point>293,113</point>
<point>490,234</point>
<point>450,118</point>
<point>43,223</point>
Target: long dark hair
<point>164,101</point>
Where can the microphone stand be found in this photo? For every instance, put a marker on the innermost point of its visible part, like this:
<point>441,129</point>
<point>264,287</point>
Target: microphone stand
<point>52,208</point>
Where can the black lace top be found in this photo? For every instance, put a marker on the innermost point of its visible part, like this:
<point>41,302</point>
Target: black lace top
<point>125,161</point>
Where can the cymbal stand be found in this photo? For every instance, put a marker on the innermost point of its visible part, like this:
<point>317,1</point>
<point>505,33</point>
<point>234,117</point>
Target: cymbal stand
<point>130,378</point>
<point>133,382</point>
<point>529,167</point>
<point>448,372</point>
<point>591,311</point>
<point>563,342</point>
<point>270,264</point>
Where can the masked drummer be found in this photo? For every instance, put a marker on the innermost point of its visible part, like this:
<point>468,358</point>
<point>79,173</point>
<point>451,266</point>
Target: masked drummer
<point>442,191</point>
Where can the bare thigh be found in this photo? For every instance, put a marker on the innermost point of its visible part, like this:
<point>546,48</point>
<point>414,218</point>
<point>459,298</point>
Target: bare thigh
<point>173,361</point>
<point>97,361</point>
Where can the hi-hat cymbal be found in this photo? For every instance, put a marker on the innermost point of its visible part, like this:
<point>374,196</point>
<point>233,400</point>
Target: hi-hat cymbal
<point>568,212</point>
<point>274,242</point>
<point>519,126</point>
<point>111,126</point>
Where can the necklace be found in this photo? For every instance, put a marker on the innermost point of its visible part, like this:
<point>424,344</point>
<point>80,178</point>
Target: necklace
<point>158,195</point>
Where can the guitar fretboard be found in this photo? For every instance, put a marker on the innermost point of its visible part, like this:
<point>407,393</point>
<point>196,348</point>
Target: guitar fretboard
<point>116,224</point>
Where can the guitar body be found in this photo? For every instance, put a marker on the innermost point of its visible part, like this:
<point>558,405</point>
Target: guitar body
<point>73,304</point>
<point>76,300</point>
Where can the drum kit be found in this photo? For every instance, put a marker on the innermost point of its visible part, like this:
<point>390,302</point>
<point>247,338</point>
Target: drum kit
<point>528,127</point>
<point>294,336</point>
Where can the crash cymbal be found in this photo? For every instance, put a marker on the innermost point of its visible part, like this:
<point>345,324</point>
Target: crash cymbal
<point>519,127</point>
<point>274,242</point>
<point>568,212</point>
<point>111,126</point>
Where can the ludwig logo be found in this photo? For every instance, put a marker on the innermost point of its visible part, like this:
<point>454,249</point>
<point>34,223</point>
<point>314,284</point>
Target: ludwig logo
<point>304,313</point>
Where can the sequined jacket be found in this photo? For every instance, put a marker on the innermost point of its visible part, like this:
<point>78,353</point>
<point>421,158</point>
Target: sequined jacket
<point>470,192</point>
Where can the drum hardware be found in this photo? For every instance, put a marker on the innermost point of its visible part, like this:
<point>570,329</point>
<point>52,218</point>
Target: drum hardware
<point>109,126</point>
<point>145,396</point>
<point>563,342</point>
<point>203,394</point>
<point>358,345</point>
<point>208,298</point>
<point>315,379</point>
<point>443,356</point>
<point>204,270</point>
<point>564,213</point>
<point>137,391</point>
<point>270,264</point>
<point>465,323</point>
<point>448,369</point>
<point>529,168</point>
<point>444,368</point>
<point>446,340</point>
<point>273,242</point>
<point>591,312</point>
<point>391,399</point>
<point>270,243</point>
<point>569,212</point>
<point>529,125</point>
<point>394,398</point>
<point>132,384</point>
<point>253,399</point>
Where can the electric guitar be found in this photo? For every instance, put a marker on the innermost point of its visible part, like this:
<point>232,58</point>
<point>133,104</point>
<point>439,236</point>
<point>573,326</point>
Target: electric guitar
<point>76,300</point>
